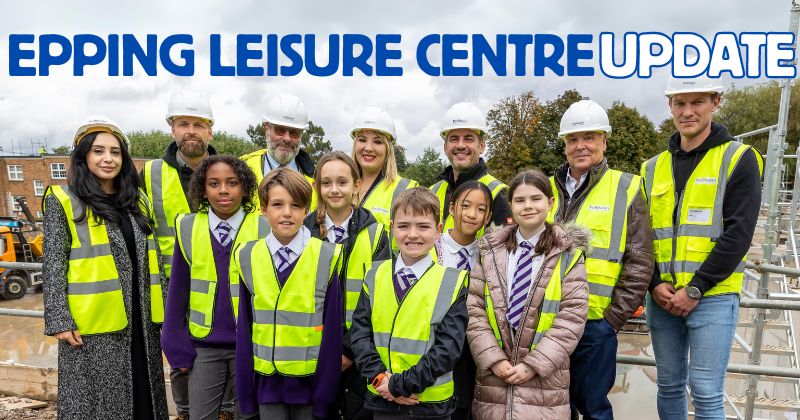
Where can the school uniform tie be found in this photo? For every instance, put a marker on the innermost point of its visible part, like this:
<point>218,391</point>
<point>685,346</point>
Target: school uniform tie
<point>224,233</point>
<point>405,279</point>
<point>463,262</point>
<point>339,232</point>
<point>522,282</point>
<point>284,255</point>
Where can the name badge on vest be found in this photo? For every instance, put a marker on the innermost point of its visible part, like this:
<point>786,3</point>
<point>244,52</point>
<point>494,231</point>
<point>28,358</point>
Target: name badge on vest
<point>379,210</point>
<point>594,207</point>
<point>705,181</point>
<point>698,215</point>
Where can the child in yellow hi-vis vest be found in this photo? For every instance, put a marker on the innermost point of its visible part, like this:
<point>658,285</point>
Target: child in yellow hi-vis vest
<point>409,326</point>
<point>527,303</point>
<point>289,329</point>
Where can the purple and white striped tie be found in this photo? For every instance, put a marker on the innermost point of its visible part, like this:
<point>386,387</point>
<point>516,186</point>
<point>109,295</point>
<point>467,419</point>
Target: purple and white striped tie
<point>522,282</point>
<point>339,232</point>
<point>224,233</point>
<point>284,255</point>
<point>407,278</point>
<point>463,262</point>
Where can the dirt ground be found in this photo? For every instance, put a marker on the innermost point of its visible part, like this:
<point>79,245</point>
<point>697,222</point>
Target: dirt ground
<point>48,412</point>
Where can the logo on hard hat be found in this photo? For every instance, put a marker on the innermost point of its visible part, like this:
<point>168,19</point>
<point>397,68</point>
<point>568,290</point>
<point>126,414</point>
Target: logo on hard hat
<point>577,123</point>
<point>288,117</point>
<point>459,121</point>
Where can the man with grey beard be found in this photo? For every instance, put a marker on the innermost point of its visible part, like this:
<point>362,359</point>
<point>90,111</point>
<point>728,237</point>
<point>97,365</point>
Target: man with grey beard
<point>166,183</point>
<point>284,122</point>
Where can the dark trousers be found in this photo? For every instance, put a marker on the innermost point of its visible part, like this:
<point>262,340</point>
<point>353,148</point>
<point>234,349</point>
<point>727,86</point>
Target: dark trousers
<point>593,368</point>
<point>352,390</point>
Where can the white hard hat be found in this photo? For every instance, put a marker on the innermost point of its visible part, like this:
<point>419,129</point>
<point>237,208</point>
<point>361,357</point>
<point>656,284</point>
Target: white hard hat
<point>584,115</point>
<point>463,115</point>
<point>374,118</point>
<point>286,110</point>
<point>189,104</point>
<point>702,84</point>
<point>100,124</point>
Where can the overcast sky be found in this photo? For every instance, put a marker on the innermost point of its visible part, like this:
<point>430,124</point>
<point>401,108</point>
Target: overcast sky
<point>51,108</point>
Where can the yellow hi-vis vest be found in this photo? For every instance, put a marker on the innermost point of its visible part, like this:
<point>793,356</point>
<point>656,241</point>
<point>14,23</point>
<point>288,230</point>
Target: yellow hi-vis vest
<point>548,308</point>
<point>440,189</point>
<point>255,161</point>
<point>379,201</point>
<point>403,332</point>
<point>288,320</point>
<point>681,249</point>
<point>604,211</point>
<point>167,200</point>
<point>194,240</point>
<point>94,293</point>
<point>360,260</point>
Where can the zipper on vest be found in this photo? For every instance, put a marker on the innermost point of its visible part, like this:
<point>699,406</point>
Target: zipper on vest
<point>399,306</point>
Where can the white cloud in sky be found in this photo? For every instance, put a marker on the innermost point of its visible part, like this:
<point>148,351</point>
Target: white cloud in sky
<point>34,108</point>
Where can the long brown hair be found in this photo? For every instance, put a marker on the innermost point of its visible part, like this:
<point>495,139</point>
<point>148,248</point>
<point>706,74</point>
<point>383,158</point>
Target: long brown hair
<point>537,179</point>
<point>354,172</point>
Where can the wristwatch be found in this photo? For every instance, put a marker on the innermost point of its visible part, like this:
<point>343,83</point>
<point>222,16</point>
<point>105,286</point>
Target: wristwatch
<point>694,292</point>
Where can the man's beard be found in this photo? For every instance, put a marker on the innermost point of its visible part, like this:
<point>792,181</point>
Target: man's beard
<point>192,149</point>
<point>283,157</point>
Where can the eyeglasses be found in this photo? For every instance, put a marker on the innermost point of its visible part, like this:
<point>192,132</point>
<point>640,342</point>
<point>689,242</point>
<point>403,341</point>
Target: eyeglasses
<point>281,131</point>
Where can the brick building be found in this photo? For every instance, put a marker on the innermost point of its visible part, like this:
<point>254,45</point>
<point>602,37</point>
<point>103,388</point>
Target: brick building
<point>29,176</point>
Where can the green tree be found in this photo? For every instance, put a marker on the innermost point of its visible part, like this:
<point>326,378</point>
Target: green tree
<point>231,144</point>
<point>426,168</point>
<point>633,139</point>
<point>257,134</point>
<point>664,132</point>
<point>313,141</point>
<point>149,144</point>
<point>62,150</point>
<point>400,158</point>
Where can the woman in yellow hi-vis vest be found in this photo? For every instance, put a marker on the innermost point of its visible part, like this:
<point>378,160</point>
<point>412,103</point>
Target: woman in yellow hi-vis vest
<point>104,287</point>
<point>528,304</point>
<point>374,140</point>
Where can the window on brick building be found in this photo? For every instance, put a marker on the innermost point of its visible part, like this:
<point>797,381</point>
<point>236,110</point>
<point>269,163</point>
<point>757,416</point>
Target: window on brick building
<point>58,170</point>
<point>14,200</point>
<point>15,172</point>
<point>38,187</point>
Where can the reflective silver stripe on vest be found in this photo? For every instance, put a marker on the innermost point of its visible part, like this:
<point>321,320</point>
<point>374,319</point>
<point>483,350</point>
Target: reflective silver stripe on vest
<point>494,183</point>
<point>402,345</point>
<point>155,280</point>
<point>234,288</point>
<point>372,231</point>
<point>199,285</point>
<point>447,377</point>
<point>263,227</point>
<point>185,231</point>
<point>296,354</point>
<point>244,263</point>
<point>198,318</point>
<point>649,176</point>
<point>401,186</point>
<point>552,306</point>
<point>156,184</point>
<point>369,282</point>
<point>353,285</point>
<point>691,266</point>
<point>566,259</point>
<point>598,289</point>
<point>90,288</point>
<point>612,253</point>
<point>86,250</point>
<point>445,296</point>
<point>262,352</point>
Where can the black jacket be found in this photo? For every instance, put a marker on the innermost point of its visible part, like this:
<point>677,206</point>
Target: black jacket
<point>740,207</point>
<point>184,172</point>
<point>501,211</point>
<point>440,359</point>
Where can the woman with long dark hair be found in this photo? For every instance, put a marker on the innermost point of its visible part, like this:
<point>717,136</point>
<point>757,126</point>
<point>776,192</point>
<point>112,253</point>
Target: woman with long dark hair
<point>103,283</point>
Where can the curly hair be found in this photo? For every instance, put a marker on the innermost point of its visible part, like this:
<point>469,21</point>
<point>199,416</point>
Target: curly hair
<point>197,185</point>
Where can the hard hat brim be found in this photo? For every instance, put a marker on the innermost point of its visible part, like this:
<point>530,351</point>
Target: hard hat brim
<point>384,132</point>
<point>205,118</point>
<point>269,120</point>
<point>603,128</point>
<point>481,131</point>
<point>713,89</point>
<point>85,130</point>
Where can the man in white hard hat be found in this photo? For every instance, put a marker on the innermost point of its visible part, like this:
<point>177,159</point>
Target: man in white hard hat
<point>166,182</point>
<point>704,194</point>
<point>464,134</point>
<point>620,262</point>
<point>284,122</point>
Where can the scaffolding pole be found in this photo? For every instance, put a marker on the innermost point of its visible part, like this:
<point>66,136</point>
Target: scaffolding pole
<point>776,150</point>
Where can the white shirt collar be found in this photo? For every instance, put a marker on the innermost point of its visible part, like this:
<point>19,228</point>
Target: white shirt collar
<point>329,225</point>
<point>234,221</point>
<point>454,246</point>
<point>296,245</point>
<point>573,184</point>
<point>419,268</point>
<point>270,163</point>
<point>533,240</point>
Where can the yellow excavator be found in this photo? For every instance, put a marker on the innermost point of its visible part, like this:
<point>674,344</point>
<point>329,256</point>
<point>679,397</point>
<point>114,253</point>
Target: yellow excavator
<point>15,246</point>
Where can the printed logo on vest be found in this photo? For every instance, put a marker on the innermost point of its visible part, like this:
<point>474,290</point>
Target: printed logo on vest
<point>379,210</point>
<point>594,207</point>
<point>698,215</point>
<point>705,181</point>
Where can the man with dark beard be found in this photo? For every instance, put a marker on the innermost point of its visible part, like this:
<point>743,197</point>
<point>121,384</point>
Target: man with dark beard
<point>284,122</point>
<point>166,182</point>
